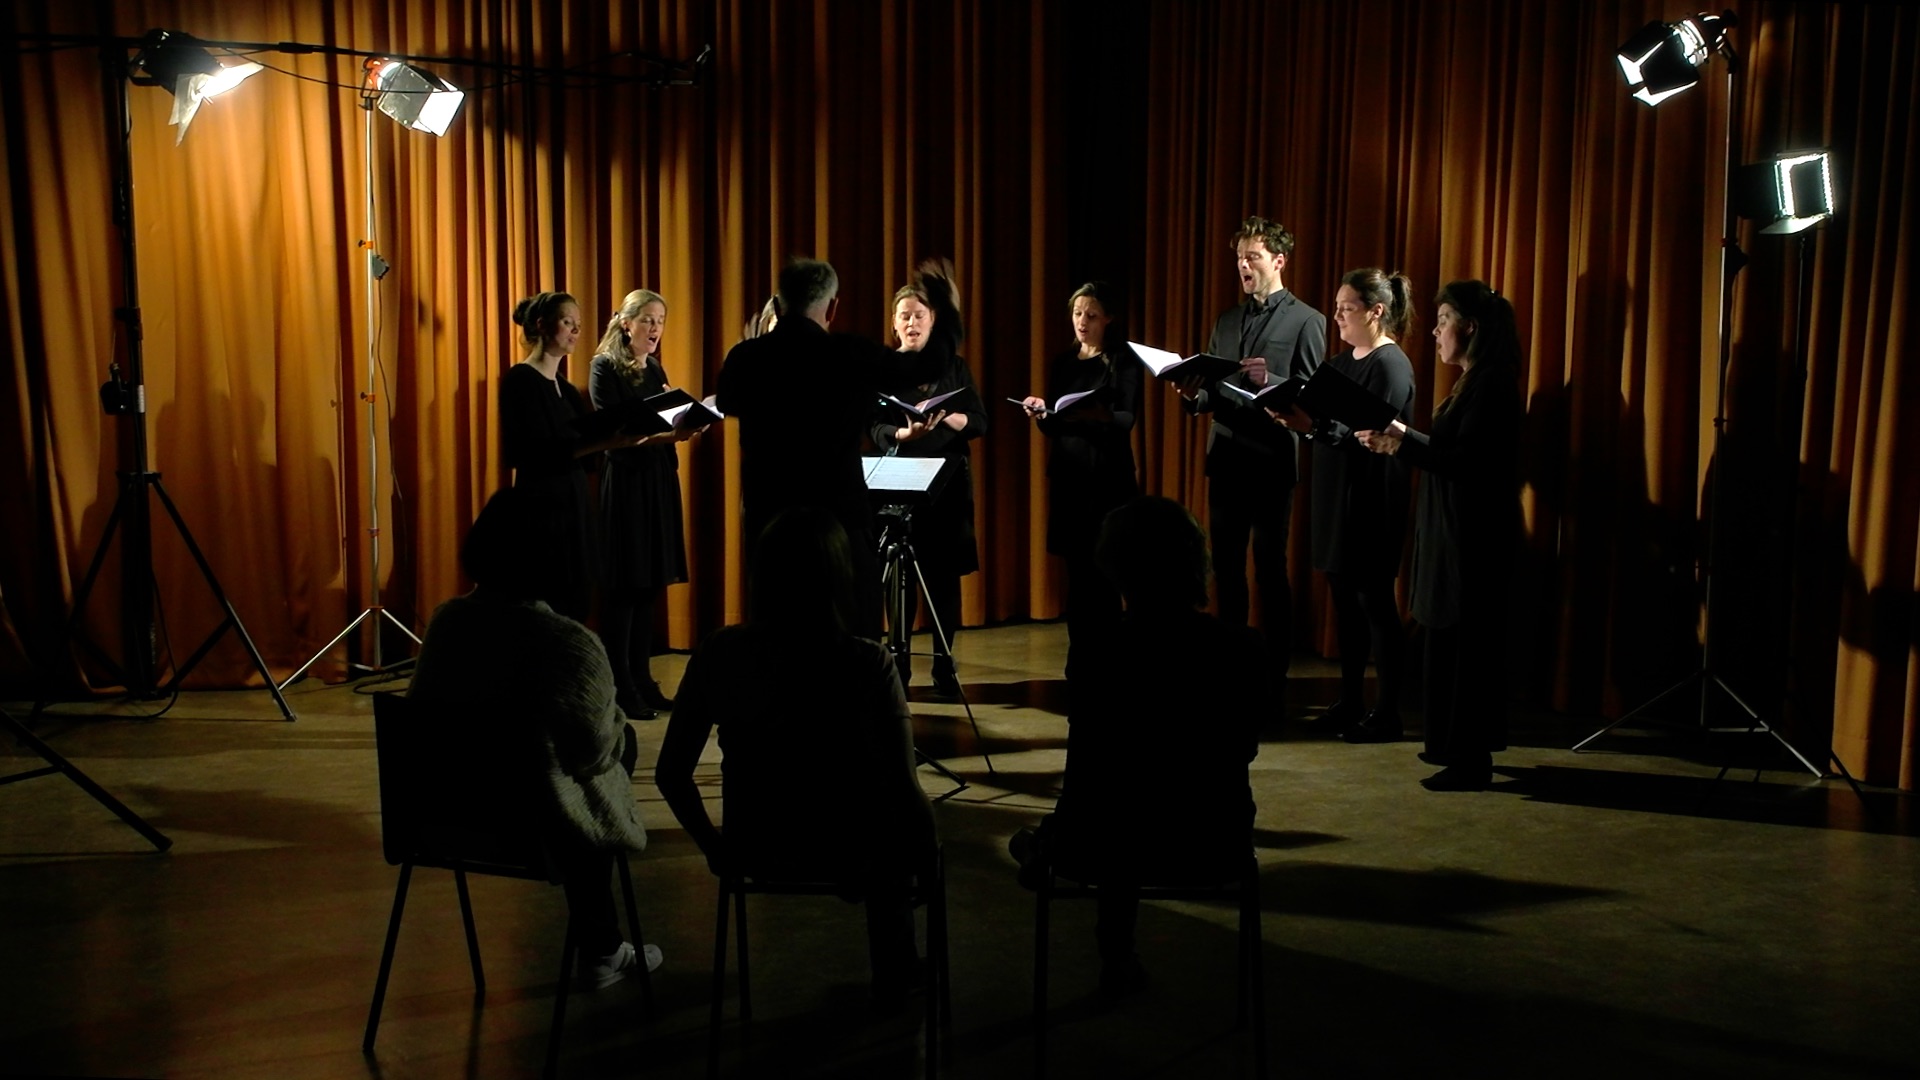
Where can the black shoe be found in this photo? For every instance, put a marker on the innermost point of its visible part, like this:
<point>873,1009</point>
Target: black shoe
<point>946,682</point>
<point>1337,719</point>
<point>1378,727</point>
<point>630,704</point>
<point>1459,778</point>
<point>654,698</point>
<point>1123,978</point>
<point>1431,758</point>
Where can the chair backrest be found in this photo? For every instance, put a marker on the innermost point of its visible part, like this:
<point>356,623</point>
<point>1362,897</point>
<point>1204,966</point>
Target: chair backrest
<point>438,809</point>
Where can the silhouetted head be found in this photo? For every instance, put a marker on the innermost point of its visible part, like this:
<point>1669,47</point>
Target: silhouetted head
<point>510,550</point>
<point>1156,553</point>
<point>802,574</point>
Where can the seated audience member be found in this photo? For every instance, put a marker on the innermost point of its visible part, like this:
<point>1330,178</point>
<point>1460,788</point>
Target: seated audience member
<point>1161,725</point>
<point>532,695</point>
<point>828,795</point>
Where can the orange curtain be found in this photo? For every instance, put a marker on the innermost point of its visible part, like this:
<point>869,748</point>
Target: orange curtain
<point>1038,145</point>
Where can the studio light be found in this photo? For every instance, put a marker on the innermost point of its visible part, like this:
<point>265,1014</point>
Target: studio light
<point>1792,192</point>
<point>1664,59</point>
<point>419,99</point>
<point>189,72</point>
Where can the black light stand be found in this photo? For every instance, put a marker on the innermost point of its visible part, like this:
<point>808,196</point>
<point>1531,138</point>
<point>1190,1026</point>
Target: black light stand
<point>139,669</point>
<point>1732,260</point>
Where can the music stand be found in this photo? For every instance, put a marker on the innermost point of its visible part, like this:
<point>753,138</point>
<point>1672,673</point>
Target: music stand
<point>899,485</point>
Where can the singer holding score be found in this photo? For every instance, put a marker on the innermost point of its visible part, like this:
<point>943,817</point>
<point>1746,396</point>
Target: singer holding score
<point>1467,531</point>
<point>1252,462</point>
<point>926,310</point>
<point>1360,505</point>
<point>1090,469</point>
<point>640,515</point>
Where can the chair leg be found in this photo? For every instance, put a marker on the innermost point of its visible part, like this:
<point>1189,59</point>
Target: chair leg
<point>1041,895</point>
<point>567,953</point>
<point>719,984</point>
<point>473,939</point>
<point>386,958</point>
<point>740,925</point>
<point>938,917</point>
<point>934,886</point>
<point>639,940</point>
<point>1256,951</point>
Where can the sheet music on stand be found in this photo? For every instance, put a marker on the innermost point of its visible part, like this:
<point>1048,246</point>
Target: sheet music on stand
<point>910,480</point>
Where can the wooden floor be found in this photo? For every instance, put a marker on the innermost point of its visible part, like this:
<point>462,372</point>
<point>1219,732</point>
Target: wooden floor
<point>1594,915</point>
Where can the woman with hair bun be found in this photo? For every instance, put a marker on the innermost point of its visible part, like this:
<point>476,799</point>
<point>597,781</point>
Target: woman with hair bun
<point>1360,505</point>
<point>1467,531</point>
<point>640,511</point>
<point>543,446</point>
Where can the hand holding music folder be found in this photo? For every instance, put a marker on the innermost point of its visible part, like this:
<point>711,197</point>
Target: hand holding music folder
<point>674,410</point>
<point>1173,367</point>
<point>1067,401</point>
<point>1328,395</point>
<point>683,412</point>
<point>924,409</point>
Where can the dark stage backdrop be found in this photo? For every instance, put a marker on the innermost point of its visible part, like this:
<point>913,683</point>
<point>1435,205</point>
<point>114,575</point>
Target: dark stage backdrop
<point>1037,145</point>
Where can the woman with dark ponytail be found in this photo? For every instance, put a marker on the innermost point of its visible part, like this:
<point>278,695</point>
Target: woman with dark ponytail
<point>1359,505</point>
<point>1467,531</point>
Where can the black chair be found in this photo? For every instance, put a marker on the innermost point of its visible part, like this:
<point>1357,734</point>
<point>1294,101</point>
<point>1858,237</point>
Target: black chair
<point>928,887</point>
<point>427,819</point>
<point>1086,884</point>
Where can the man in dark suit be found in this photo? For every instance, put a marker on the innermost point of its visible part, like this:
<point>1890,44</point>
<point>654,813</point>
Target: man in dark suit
<point>803,398</point>
<point>1252,462</point>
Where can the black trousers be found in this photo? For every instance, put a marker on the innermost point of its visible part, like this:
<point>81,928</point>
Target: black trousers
<point>1369,620</point>
<point>1240,509</point>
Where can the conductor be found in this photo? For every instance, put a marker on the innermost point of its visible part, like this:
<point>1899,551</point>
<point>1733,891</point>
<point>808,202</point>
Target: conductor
<point>803,397</point>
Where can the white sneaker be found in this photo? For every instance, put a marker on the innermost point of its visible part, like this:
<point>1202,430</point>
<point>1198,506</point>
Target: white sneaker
<point>617,965</point>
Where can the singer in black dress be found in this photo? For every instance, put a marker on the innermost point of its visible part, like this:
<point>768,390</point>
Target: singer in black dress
<point>1467,531</point>
<point>543,447</point>
<point>1360,506</point>
<point>640,514</point>
<point>1090,469</point>
<point>925,311</point>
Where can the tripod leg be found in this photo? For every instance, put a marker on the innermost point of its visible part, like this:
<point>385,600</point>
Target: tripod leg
<point>946,646</point>
<point>219,594</point>
<point>1657,699</point>
<point>404,628</point>
<point>86,590</point>
<point>327,648</point>
<point>920,757</point>
<point>100,795</point>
